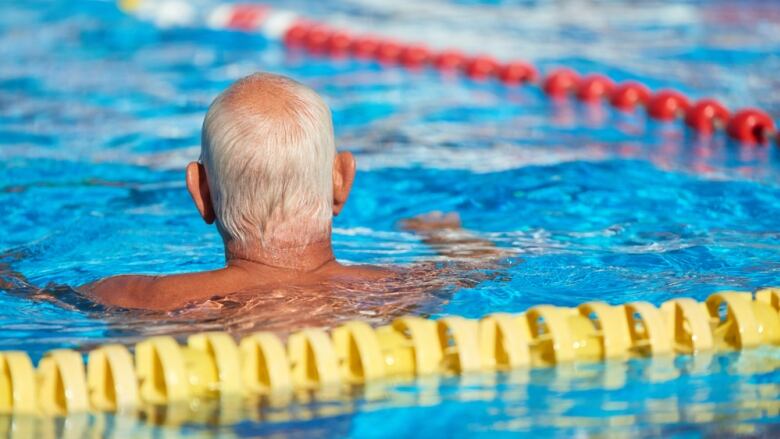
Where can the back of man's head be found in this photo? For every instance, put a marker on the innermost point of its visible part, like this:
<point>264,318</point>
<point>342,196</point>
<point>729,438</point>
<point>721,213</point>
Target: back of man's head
<point>268,150</point>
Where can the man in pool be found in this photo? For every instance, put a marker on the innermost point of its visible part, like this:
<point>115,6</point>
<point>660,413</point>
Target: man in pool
<point>271,180</point>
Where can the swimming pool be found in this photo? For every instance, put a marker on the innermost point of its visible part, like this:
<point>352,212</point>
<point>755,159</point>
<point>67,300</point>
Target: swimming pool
<point>100,111</point>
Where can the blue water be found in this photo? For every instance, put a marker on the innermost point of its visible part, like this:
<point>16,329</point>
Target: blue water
<point>99,112</point>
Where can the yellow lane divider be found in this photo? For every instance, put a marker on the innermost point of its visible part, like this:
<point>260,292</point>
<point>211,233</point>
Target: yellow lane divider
<point>161,372</point>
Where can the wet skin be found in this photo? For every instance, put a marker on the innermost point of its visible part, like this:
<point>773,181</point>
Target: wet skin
<point>175,291</point>
<point>241,276</point>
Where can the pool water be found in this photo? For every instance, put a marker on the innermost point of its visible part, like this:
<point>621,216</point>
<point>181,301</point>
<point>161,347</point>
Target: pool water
<point>99,112</point>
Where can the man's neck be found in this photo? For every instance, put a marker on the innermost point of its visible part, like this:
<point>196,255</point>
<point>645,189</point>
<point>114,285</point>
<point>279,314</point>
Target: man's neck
<point>304,258</point>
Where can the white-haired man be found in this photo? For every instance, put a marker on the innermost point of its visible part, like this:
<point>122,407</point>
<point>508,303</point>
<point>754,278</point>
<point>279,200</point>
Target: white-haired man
<point>270,178</point>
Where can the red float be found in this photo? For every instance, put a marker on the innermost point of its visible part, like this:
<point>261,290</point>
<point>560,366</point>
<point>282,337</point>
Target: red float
<point>364,47</point>
<point>246,17</point>
<point>593,88</point>
<point>706,115</point>
<point>388,52</point>
<point>481,67</point>
<point>317,39</point>
<point>667,105</point>
<point>628,95</point>
<point>449,60</point>
<point>560,82</point>
<point>338,43</point>
<point>296,35</point>
<point>517,72</point>
<point>415,56</point>
<point>751,125</point>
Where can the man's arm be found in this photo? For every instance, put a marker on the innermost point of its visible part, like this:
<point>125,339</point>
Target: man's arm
<point>446,235</point>
<point>11,280</point>
<point>16,283</point>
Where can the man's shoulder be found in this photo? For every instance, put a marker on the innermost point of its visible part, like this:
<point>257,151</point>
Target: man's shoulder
<point>156,292</point>
<point>125,290</point>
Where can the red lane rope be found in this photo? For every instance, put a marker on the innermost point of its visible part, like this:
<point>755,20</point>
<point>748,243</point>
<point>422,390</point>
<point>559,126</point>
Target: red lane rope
<point>751,126</point>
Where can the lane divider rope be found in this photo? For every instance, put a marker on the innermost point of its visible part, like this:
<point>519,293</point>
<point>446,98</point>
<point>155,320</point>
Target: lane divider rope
<point>707,116</point>
<point>211,365</point>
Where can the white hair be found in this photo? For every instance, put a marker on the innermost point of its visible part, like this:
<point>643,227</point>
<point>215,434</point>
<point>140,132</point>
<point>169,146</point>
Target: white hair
<point>268,149</point>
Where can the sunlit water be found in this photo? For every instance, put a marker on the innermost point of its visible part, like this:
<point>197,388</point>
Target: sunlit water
<point>99,113</point>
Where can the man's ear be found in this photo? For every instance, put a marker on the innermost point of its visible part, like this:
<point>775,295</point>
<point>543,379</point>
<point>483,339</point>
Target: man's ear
<point>343,177</point>
<point>200,192</point>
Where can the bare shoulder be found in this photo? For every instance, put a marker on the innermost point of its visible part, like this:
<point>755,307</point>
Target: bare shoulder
<point>124,290</point>
<point>170,292</point>
<point>155,292</point>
